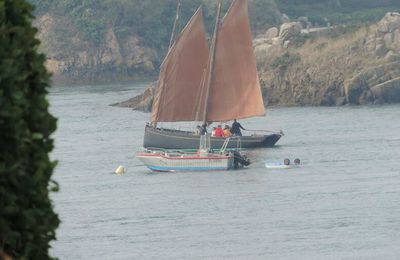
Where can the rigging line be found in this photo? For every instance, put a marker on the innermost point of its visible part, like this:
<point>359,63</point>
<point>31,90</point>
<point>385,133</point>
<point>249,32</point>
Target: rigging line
<point>199,97</point>
<point>212,56</point>
<point>171,41</point>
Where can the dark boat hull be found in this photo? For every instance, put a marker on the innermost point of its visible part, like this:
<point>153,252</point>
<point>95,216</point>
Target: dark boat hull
<point>175,139</point>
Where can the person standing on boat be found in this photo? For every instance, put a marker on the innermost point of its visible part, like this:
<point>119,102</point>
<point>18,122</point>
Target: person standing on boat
<point>203,129</point>
<point>235,129</point>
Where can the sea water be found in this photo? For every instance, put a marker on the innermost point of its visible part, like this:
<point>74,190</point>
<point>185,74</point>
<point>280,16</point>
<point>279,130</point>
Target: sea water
<point>343,202</point>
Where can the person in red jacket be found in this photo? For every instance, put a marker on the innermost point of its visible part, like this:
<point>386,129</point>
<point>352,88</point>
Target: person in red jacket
<point>219,132</point>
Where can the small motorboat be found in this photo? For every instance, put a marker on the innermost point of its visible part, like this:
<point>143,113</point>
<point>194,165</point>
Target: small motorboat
<point>205,159</point>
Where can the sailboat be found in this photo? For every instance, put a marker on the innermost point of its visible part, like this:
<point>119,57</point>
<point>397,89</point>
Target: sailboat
<point>201,85</point>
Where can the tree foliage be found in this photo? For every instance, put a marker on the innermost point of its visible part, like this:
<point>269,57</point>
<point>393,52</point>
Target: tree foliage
<point>27,219</point>
<point>151,20</point>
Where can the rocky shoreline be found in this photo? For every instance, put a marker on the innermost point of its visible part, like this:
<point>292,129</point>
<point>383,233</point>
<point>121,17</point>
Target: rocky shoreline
<point>79,61</point>
<point>301,66</point>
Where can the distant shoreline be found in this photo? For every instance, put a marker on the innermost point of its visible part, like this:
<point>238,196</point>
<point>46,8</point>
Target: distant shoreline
<point>57,82</point>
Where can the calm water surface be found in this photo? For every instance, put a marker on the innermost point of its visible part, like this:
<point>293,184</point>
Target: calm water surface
<point>343,203</point>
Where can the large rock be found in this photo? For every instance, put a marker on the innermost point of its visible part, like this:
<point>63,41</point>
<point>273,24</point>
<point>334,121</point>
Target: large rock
<point>388,92</point>
<point>142,102</point>
<point>72,59</point>
<point>290,30</point>
<point>386,37</point>
<point>259,41</point>
<point>389,23</point>
<point>276,41</point>
<point>354,88</point>
<point>365,86</point>
<point>272,33</point>
<point>396,41</point>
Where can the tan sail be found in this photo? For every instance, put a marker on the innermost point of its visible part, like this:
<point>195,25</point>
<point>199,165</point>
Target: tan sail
<point>182,74</point>
<point>235,89</point>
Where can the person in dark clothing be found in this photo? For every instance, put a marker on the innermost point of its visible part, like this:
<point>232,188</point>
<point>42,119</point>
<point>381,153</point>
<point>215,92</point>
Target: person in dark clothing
<point>203,129</point>
<point>235,129</point>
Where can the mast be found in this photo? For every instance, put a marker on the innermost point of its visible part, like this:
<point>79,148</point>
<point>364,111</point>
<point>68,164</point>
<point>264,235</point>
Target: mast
<point>211,64</point>
<point>235,88</point>
<point>171,41</point>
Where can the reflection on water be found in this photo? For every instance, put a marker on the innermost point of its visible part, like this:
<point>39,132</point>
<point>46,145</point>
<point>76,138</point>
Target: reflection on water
<point>341,203</point>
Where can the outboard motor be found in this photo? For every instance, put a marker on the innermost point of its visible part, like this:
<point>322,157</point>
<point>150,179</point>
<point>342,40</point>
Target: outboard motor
<point>239,161</point>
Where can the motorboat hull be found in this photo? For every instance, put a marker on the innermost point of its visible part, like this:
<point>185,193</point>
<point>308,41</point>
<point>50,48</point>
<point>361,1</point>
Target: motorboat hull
<point>171,162</point>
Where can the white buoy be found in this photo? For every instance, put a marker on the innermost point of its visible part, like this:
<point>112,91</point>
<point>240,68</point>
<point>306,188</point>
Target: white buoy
<point>286,164</point>
<point>120,170</point>
<point>276,165</point>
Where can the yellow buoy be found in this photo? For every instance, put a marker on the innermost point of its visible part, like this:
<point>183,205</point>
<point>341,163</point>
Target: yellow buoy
<point>120,170</point>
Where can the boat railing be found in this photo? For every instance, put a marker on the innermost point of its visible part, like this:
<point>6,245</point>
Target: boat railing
<point>154,149</point>
<point>238,142</point>
<point>225,144</point>
<point>227,140</point>
<point>170,152</point>
<point>171,129</point>
<point>264,132</point>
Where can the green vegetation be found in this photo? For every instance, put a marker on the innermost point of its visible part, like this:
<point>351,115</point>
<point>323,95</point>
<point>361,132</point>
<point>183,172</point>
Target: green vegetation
<point>75,32</point>
<point>338,11</point>
<point>27,219</point>
<point>150,20</point>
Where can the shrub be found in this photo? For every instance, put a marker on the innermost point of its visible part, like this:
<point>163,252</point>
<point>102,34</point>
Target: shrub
<point>27,219</point>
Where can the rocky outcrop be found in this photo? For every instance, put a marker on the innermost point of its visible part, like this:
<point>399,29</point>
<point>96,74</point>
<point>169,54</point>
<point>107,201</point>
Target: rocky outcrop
<point>142,102</point>
<point>358,89</point>
<point>275,40</point>
<point>271,33</point>
<point>360,67</point>
<point>72,59</point>
<point>387,92</point>
<point>290,34</point>
<point>290,30</point>
<point>379,84</point>
<point>386,36</point>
